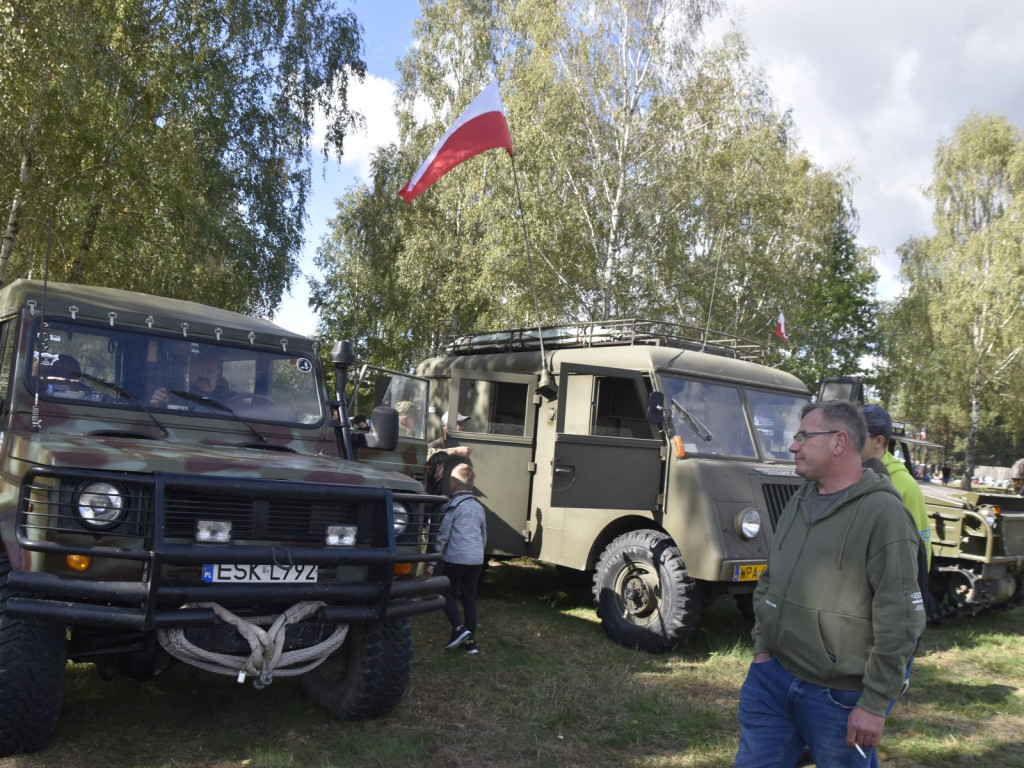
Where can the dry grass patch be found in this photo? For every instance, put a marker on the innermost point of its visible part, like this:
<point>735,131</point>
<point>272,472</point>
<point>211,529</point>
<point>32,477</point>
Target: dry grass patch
<point>548,689</point>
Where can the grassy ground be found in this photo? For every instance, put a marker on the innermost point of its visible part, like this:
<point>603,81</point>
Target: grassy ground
<point>548,689</point>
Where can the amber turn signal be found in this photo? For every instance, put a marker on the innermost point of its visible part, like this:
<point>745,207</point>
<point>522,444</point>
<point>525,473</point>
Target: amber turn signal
<point>78,562</point>
<point>677,441</point>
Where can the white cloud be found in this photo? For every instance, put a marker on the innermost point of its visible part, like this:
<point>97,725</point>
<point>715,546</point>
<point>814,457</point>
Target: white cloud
<point>876,84</point>
<point>373,98</point>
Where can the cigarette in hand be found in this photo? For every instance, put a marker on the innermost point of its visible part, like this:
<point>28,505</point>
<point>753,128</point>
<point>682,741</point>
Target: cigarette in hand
<point>860,751</point>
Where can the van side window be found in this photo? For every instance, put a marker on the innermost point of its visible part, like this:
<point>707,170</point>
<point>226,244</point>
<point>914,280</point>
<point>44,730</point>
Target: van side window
<point>615,407</point>
<point>618,411</point>
<point>494,407</point>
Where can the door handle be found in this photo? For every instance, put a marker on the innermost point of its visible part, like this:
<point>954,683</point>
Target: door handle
<point>563,477</point>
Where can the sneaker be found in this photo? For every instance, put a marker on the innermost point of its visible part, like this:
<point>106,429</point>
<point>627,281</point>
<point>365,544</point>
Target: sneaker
<point>470,647</point>
<point>459,635</point>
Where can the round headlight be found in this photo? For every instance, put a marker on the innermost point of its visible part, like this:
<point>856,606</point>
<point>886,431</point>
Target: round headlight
<point>748,523</point>
<point>989,513</point>
<point>401,518</point>
<point>100,505</point>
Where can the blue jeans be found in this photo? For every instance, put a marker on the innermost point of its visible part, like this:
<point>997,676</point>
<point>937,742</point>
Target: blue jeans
<point>781,714</point>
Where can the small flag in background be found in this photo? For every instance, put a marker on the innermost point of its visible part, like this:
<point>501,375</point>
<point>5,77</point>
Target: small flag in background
<point>780,328</point>
<point>480,127</point>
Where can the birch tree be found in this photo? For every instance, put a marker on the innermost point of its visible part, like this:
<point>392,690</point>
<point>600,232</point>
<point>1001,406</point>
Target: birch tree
<point>958,334</point>
<point>657,178</point>
<point>166,144</point>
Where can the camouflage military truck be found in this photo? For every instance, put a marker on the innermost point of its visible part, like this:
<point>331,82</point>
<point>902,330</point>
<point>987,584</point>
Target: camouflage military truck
<point>653,455</point>
<point>977,539</point>
<point>177,485</point>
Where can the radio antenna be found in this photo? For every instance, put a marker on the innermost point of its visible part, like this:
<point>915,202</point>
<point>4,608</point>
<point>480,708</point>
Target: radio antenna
<point>43,342</point>
<point>711,302</point>
<point>546,386</point>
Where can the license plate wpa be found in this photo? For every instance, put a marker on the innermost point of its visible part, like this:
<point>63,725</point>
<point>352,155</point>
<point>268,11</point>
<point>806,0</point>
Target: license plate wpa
<point>748,572</point>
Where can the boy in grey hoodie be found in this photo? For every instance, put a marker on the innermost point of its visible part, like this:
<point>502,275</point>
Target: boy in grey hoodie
<point>461,540</point>
<point>838,610</point>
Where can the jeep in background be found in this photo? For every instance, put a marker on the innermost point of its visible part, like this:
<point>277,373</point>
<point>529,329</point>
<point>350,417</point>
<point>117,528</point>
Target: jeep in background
<point>177,485</point>
<point>977,552</point>
<point>653,455</point>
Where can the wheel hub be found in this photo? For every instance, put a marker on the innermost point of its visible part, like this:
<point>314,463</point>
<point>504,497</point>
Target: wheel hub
<point>638,589</point>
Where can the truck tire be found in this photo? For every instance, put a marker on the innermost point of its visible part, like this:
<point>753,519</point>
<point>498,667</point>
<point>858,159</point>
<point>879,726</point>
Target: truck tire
<point>32,660</point>
<point>645,598</point>
<point>368,675</point>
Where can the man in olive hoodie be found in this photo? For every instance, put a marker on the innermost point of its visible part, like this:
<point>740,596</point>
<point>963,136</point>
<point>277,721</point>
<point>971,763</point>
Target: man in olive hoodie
<point>838,609</point>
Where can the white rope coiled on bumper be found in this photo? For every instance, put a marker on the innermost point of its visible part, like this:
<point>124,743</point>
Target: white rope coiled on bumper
<point>267,657</point>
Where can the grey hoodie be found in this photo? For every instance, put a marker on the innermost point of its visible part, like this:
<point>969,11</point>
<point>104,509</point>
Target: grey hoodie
<point>839,604</point>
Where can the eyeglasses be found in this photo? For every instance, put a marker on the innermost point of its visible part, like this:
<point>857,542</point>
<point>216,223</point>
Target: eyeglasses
<point>801,437</point>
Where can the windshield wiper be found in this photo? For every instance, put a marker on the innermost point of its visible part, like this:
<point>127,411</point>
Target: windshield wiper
<point>695,424</point>
<point>122,392</point>
<point>216,405</point>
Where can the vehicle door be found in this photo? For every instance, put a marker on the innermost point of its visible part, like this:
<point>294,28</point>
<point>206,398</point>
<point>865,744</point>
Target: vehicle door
<point>408,395</point>
<point>500,434</point>
<point>607,454</point>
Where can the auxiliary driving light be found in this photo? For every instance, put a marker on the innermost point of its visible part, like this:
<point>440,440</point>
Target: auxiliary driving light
<point>213,531</point>
<point>341,536</point>
<point>401,518</point>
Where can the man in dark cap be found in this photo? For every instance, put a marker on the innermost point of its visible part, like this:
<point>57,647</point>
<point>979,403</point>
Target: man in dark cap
<point>877,447</point>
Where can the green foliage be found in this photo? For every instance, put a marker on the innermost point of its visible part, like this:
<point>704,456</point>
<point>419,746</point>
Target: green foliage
<point>167,143</point>
<point>657,180</point>
<point>956,339</point>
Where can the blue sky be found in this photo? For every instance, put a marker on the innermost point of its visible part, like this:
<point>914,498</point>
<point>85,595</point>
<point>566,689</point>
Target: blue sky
<point>872,85</point>
<point>387,35</point>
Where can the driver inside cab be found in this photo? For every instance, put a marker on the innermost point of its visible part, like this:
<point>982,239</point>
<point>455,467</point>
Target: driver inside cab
<point>205,377</point>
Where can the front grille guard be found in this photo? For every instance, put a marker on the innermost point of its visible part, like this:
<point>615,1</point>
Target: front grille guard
<point>46,524</point>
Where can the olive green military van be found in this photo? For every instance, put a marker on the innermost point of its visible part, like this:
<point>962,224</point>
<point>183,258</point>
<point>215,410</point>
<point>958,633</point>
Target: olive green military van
<point>651,454</point>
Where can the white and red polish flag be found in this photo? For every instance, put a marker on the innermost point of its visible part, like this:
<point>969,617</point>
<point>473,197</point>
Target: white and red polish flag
<point>480,127</point>
<point>780,328</point>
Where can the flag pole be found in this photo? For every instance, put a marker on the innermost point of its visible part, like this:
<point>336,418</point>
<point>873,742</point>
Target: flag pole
<point>546,386</point>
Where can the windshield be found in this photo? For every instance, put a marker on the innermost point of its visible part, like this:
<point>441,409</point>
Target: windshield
<point>712,418</point>
<point>120,368</point>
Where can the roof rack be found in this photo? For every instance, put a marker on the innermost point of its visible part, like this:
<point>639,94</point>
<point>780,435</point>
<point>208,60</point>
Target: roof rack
<point>608,333</point>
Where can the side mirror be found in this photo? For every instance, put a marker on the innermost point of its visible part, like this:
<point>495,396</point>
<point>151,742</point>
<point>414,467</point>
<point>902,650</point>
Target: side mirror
<point>656,408</point>
<point>383,429</point>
